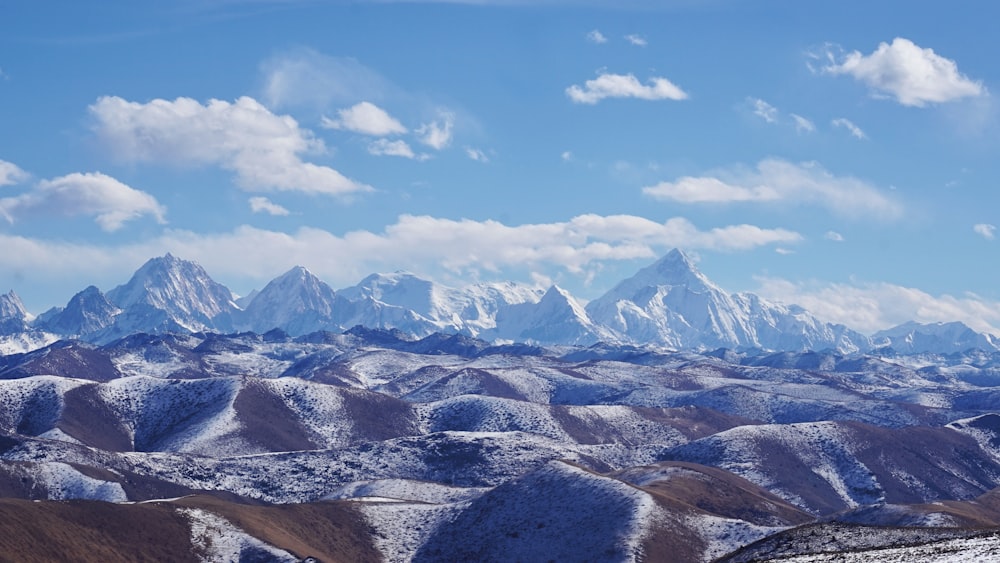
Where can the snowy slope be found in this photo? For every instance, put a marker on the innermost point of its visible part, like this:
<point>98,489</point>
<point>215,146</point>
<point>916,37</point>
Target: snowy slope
<point>172,293</point>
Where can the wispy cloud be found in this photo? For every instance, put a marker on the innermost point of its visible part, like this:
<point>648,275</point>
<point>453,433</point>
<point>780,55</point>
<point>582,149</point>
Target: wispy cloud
<point>308,78</point>
<point>636,40</point>
<point>763,110</point>
<point>775,180</point>
<point>803,125</point>
<point>914,76</point>
<point>263,205</point>
<point>110,202</point>
<point>385,147</point>
<point>365,118</point>
<point>985,230</point>
<point>854,130</point>
<point>624,86</point>
<point>834,236</point>
<point>595,36</point>
<point>263,149</point>
<point>476,154</point>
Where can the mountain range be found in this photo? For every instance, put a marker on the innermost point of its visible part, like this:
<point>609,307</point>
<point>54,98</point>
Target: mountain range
<point>668,304</point>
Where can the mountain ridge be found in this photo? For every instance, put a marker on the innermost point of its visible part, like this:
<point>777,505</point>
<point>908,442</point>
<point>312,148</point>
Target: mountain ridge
<point>669,304</point>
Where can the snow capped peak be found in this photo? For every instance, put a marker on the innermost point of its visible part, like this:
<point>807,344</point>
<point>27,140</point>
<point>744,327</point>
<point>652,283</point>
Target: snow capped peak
<point>675,269</point>
<point>87,312</point>
<point>296,302</point>
<point>181,288</point>
<point>11,306</point>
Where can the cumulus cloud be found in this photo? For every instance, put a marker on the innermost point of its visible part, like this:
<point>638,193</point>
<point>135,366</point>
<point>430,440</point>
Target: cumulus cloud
<point>854,130</point>
<point>877,306</point>
<point>803,125</point>
<point>763,110</point>
<point>263,205</point>
<point>109,201</point>
<point>263,149</point>
<point>636,40</point>
<point>834,236</point>
<point>385,147</point>
<point>365,118</point>
<point>595,36</point>
<point>437,134</point>
<point>776,180</point>
<point>914,76</point>
<point>624,86</point>
<point>307,78</point>
<point>985,230</point>
<point>11,174</point>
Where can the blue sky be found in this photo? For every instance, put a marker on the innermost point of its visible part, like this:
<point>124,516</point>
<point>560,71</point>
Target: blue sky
<point>840,156</point>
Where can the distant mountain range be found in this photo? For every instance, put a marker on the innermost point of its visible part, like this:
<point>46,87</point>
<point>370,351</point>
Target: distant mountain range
<point>668,304</point>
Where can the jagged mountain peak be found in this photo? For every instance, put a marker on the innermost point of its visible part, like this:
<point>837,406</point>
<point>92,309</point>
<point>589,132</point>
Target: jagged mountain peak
<point>11,306</point>
<point>182,289</point>
<point>87,312</point>
<point>675,269</point>
<point>296,301</point>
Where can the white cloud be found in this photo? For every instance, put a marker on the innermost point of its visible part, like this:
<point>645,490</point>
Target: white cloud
<point>365,118</point>
<point>263,149</point>
<point>850,126</point>
<point>802,124</point>
<point>595,36</point>
<point>770,114</point>
<point>834,236</point>
<point>567,156</point>
<point>437,134</point>
<point>11,174</point>
<point>636,40</point>
<point>417,243</point>
<point>624,86</point>
<point>307,78</point>
<point>763,110</point>
<point>784,251</point>
<point>985,230</point>
<point>263,205</point>
<point>912,75</point>
<point>109,201</point>
<point>385,147</point>
<point>878,306</point>
<point>778,180</point>
<point>476,154</point>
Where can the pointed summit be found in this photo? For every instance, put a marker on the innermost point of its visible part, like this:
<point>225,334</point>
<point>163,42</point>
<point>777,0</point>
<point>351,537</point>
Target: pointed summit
<point>558,318</point>
<point>182,289</point>
<point>13,317</point>
<point>297,302</point>
<point>87,312</point>
<point>675,269</point>
<point>11,307</point>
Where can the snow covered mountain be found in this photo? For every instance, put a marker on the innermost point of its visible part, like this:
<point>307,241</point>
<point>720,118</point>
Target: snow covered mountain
<point>174,294</point>
<point>297,302</point>
<point>668,304</point>
<point>558,318</point>
<point>406,302</point>
<point>937,338</point>
<point>13,317</point>
<point>671,303</point>
<point>87,312</point>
